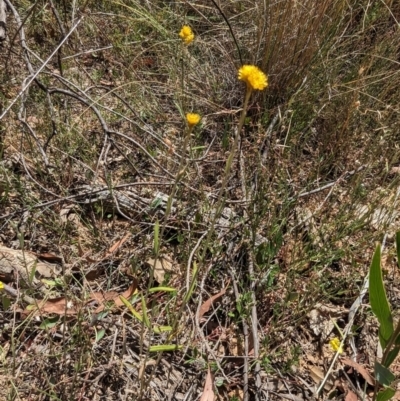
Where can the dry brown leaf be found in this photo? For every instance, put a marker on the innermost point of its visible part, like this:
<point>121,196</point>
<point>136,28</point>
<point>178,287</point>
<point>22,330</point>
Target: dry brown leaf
<point>207,305</point>
<point>59,306</point>
<point>49,257</point>
<point>45,270</point>
<point>127,294</point>
<point>350,396</point>
<point>117,245</point>
<point>102,298</point>
<point>208,393</point>
<point>161,266</point>
<point>238,393</point>
<point>318,375</point>
<point>360,369</point>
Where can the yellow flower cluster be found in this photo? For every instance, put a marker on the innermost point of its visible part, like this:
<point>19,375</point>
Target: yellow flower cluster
<point>192,119</point>
<point>335,345</point>
<point>253,76</point>
<point>186,34</point>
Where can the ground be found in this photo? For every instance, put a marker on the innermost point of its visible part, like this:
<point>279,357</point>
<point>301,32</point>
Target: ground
<point>145,258</point>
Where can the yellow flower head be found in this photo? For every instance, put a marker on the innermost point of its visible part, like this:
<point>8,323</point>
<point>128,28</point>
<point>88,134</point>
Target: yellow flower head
<point>253,76</point>
<point>335,345</point>
<point>1,286</point>
<point>186,34</point>
<point>192,119</point>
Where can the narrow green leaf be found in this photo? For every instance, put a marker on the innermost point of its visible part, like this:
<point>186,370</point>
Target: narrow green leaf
<point>377,297</point>
<point>398,247</point>
<point>32,273</point>
<point>162,329</point>
<point>6,302</point>
<point>49,323</point>
<point>162,289</point>
<point>99,335</point>
<point>102,314</point>
<point>156,237</point>
<point>192,284</point>
<point>145,315</point>
<point>397,342</point>
<point>165,347</point>
<point>382,340</point>
<point>392,355</point>
<point>383,375</point>
<point>49,283</point>
<point>386,394</point>
<point>131,308</point>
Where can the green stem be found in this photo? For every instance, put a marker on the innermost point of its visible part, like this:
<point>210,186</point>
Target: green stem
<point>222,193</point>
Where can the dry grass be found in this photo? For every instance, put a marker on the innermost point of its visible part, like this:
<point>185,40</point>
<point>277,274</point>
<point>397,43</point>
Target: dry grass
<point>315,169</point>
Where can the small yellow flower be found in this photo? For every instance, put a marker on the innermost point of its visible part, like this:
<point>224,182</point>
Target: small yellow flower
<point>192,119</point>
<point>186,34</point>
<point>253,76</point>
<point>335,345</point>
<point>1,286</point>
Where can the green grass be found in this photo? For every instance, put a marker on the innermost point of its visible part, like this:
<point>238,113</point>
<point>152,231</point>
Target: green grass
<point>333,97</point>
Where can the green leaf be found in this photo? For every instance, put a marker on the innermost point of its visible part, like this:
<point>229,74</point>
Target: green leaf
<point>145,315</point>
<point>165,347</point>
<point>155,203</point>
<point>6,302</point>
<point>48,283</point>
<point>398,247</point>
<point>102,314</point>
<point>100,335</point>
<point>156,237</point>
<point>131,308</point>
<point>392,356</point>
<point>382,340</point>
<point>162,329</point>
<point>397,341</point>
<point>49,323</point>
<point>377,297</point>
<point>161,289</point>
<point>32,273</point>
<point>192,284</point>
<point>383,375</point>
<point>386,394</point>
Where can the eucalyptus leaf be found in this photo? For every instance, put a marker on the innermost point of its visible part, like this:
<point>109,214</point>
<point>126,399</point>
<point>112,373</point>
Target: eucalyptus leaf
<point>378,299</point>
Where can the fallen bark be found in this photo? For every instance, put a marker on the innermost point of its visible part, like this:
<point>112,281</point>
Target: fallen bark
<point>3,20</point>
